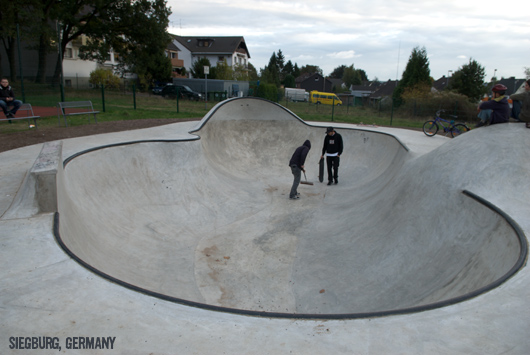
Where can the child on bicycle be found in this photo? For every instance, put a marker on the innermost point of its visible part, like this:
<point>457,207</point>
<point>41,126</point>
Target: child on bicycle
<point>500,109</point>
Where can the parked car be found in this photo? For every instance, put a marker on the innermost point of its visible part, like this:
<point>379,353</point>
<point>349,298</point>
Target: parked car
<point>157,90</point>
<point>185,92</point>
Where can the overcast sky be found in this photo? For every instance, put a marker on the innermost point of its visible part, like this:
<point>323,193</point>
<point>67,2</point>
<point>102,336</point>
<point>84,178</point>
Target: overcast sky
<point>376,35</point>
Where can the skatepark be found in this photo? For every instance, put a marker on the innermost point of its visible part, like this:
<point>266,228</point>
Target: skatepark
<point>182,239</point>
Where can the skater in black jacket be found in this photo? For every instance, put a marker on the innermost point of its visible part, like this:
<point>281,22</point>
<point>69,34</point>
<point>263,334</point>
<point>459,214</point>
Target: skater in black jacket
<point>333,150</point>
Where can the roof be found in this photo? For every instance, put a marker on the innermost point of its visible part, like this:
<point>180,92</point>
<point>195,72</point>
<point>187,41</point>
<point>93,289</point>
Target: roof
<point>171,46</point>
<point>363,88</point>
<point>386,89</point>
<point>213,45</point>
<point>441,84</point>
<point>336,82</point>
<point>314,81</point>
<point>303,77</point>
<point>512,84</point>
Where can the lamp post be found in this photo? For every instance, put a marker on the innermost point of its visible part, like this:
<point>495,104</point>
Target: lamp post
<point>448,76</point>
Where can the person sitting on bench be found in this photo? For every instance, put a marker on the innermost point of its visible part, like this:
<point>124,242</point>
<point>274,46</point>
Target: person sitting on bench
<point>7,98</point>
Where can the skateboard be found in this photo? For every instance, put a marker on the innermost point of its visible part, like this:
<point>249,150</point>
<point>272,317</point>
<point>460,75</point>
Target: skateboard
<point>321,170</point>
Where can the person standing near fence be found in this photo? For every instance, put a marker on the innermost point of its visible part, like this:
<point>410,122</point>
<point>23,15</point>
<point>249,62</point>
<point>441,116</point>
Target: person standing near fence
<point>333,150</point>
<point>7,99</point>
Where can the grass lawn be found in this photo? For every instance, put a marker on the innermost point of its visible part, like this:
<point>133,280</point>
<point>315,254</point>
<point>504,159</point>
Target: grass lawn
<point>118,106</point>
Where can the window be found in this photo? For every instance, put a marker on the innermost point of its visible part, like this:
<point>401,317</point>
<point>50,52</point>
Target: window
<point>68,53</point>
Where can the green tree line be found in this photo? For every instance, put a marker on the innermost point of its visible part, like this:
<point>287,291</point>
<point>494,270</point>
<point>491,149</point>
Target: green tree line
<point>416,81</point>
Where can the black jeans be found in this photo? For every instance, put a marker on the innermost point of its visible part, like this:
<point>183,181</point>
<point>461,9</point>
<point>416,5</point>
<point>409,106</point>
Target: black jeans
<point>333,164</point>
<point>297,174</point>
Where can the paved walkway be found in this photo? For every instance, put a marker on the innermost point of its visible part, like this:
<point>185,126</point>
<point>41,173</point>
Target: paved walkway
<point>394,233</point>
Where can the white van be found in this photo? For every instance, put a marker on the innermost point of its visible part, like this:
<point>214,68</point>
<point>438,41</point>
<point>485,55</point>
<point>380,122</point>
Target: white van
<point>300,95</point>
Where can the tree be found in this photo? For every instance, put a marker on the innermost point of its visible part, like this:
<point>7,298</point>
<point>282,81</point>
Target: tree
<point>416,75</point>
<point>268,91</point>
<point>150,68</point>
<point>47,41</point>
<point>104,76</point>
<point>350,76</point>
<point>134,30</point>
<point>469,80</point>
<point>311,69</point>
<point>289,81</point>
<point>288,69</point>
<point>271,73</point>
<point>197,70</point>
<point>240,73</point>
<point>8,33</point>
<point>223,71</point>
<point>252,73</point>
<point>12,15</point>
<point>362,75</point>
<point>338,72</point>
<point>280,63</point>
<point>270,76</point>
<point>296,71</point>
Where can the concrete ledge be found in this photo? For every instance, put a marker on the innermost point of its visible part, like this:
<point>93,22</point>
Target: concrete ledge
<point>38,192</point>
<point>44,171</point>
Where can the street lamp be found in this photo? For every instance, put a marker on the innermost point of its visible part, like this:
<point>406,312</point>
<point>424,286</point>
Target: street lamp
<point>448,76</point>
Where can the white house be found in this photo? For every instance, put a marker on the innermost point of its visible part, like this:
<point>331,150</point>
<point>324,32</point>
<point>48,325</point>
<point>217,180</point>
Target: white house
<point>216,49</point>
<point>77,71</point>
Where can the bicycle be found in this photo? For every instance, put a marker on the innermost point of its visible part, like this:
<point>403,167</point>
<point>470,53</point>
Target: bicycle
<point>431,127</point>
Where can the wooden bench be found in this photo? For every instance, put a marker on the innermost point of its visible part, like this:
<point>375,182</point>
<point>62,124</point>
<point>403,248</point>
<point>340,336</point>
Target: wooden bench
<point>27,114</point>
<point>72,108</point>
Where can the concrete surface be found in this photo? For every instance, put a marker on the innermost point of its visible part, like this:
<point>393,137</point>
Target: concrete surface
<point>209,221</point>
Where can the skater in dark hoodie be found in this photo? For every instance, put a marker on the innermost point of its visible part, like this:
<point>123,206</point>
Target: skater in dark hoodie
<point>297,166</point>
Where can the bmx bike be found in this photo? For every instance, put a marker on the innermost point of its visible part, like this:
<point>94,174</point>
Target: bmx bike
<point>431,127</point>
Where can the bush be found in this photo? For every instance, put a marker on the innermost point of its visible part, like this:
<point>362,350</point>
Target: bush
<point>427,104</point>
<point>105,77</point>
<point>268,91</point>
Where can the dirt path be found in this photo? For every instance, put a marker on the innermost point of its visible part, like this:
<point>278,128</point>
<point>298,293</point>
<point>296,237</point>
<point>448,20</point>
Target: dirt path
<point>10,141</point>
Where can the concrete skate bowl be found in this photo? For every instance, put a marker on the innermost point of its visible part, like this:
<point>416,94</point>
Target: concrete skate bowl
<point>207,222</point>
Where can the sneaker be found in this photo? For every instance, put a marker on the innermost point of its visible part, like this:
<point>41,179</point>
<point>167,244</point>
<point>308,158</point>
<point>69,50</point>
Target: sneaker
<point>294,197</point>
<point>10,115</point>
<point>336,181</point>
<point>329,183</point>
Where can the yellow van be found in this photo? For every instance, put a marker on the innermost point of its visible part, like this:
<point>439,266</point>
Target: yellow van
<point>326,98</point>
